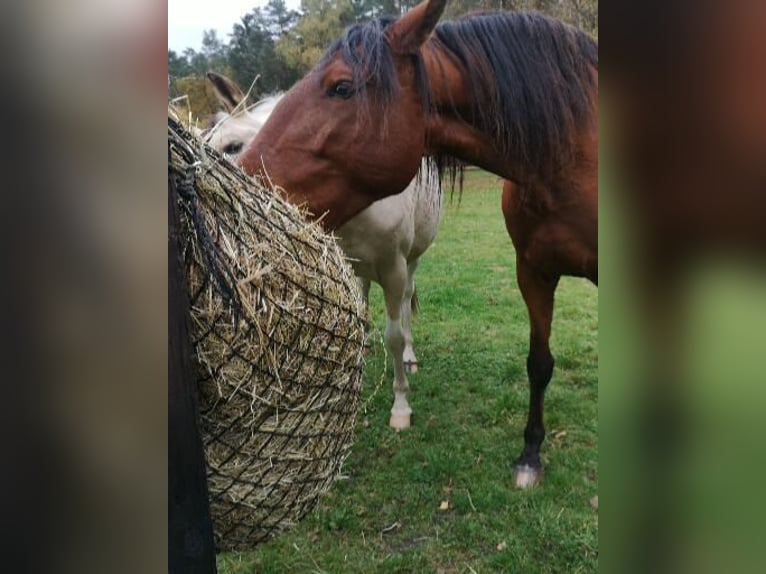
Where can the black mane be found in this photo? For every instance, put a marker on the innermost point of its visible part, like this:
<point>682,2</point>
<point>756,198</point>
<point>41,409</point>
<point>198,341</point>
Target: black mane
<point>531,79</point>
<point>529,73</point>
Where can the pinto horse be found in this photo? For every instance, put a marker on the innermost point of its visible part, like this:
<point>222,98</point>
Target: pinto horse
<point>514,93</point>
<point>384,242</point>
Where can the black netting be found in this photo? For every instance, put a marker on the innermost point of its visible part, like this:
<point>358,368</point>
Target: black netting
<point>278,330</point>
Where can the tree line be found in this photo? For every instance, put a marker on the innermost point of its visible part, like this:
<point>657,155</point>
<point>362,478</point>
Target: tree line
<point>278,45</point>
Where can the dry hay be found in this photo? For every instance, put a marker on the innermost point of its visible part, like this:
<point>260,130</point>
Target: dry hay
<point>278,329</point>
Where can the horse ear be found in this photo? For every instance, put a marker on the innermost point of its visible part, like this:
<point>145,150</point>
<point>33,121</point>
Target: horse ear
<point>411,31</point>
<point>228,93</point>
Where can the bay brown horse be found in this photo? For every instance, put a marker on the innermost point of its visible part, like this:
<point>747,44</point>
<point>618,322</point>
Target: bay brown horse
<point>514,93</point>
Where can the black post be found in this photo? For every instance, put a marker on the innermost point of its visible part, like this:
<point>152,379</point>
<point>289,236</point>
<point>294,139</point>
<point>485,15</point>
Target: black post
<point>190,530</point>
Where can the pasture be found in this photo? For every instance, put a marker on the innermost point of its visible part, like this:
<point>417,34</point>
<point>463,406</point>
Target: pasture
<point>439,496</point>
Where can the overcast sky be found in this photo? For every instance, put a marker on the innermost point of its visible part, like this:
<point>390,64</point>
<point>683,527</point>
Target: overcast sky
<point>187,19</point>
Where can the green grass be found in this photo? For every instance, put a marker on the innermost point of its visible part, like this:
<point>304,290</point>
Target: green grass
<point>469,401</point>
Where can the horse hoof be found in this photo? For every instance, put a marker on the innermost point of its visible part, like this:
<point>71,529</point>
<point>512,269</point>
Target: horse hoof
<point>411,367</point>
<point>399,421</point>
<point>525,476</point>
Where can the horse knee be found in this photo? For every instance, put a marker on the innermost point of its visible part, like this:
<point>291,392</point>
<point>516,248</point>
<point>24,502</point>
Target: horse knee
<point>394,337</point>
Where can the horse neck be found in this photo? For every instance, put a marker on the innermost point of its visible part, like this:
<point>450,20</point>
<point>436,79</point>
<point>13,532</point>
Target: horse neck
<point>261,111</point>
<point>451,129</point>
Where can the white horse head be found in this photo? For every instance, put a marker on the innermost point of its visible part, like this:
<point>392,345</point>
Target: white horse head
<point>231,130</point>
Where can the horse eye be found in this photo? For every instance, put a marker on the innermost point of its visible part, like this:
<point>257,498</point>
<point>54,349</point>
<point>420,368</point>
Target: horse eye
<point>232,148</point>
<point>341,89</point>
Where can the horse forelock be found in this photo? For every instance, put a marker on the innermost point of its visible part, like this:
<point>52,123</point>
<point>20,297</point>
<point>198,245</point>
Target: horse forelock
<point>365,49</point>
<point>531,78</point>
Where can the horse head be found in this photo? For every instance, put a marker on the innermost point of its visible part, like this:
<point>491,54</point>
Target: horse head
<point>353,130</point>
<point>231,130</point>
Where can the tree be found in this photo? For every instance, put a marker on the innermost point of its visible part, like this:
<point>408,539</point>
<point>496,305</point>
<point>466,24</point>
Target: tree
<point>214,51</point>
<point>366,9</point>
<point>321,23</point>
<point>581,13</point>
<point>178,67</point>
<point>252,47</point>
<point>213,55</point>
<point>584,14</point>
<point>277,19</point>
<point>196,61</point>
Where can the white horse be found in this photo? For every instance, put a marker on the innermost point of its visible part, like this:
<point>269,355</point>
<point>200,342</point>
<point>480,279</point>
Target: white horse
<point>384,243</point>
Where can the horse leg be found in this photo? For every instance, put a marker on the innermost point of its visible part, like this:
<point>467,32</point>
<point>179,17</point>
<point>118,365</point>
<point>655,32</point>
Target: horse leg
<point>394,284</point>
<point>364,289</point>
<point>538,294</point>
<point>409,306</point>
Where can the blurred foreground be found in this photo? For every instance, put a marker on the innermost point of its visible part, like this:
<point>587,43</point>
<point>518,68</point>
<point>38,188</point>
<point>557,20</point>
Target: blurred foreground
<point>683,299</point>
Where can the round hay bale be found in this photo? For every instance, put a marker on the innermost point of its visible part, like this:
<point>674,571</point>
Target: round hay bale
<point>278,329</point>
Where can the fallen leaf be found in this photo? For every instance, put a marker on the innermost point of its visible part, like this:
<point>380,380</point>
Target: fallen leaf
<point>394,526</point>
<point>444,505</point>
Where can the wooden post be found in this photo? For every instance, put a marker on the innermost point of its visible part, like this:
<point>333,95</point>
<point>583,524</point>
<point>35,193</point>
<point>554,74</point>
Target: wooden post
<point>190,531</point>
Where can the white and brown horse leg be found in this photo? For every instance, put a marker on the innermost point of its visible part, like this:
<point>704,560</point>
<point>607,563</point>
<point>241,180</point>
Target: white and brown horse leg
<point>538,292</point>
<point>409,307</point>
<point>394,285</point>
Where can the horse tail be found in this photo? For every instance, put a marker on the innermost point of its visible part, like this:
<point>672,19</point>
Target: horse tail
<point>414,302</point>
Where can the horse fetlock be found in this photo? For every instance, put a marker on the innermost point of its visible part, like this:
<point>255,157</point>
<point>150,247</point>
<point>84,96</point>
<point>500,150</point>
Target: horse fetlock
<point>411,366</point>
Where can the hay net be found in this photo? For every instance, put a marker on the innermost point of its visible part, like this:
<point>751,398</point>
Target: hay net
<point>277,325</point>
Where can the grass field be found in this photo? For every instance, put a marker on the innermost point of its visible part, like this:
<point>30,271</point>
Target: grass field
<point>469,401</point>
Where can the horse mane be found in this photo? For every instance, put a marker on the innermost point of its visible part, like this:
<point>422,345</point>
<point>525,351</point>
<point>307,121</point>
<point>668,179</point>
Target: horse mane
<point>267,99</point>
<point>253,110</point>
<point>543,88</point>
<point>530,76</point>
